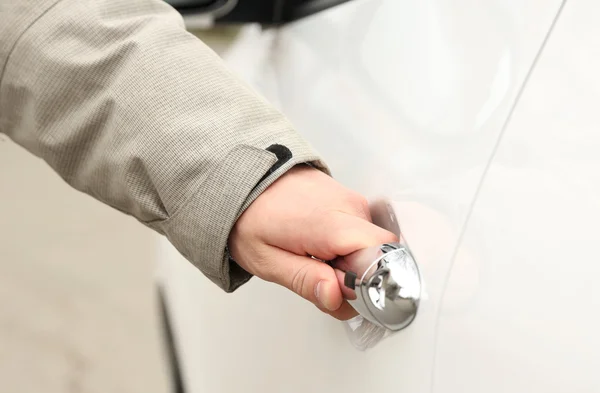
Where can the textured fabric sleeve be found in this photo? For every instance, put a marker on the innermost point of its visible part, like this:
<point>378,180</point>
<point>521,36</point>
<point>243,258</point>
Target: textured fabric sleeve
<point>128,107</point>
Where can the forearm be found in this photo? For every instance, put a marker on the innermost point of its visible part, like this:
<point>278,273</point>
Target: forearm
<point>130,108</point>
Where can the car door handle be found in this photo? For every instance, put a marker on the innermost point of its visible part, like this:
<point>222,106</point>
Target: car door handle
<point>382,283</point>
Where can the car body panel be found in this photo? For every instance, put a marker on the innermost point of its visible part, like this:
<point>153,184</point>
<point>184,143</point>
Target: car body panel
<point>404,100</point>
<point>524,314</point>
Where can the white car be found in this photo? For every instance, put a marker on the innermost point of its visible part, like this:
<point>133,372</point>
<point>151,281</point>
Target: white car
<point>480,122</point>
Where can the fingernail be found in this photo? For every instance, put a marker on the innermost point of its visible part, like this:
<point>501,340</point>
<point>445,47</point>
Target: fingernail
<point>321,297</point>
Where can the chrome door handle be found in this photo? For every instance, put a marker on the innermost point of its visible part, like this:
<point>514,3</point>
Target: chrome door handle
<point>382,283</point>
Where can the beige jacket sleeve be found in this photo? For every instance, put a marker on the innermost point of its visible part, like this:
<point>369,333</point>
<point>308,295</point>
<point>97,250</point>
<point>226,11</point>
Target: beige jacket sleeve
<point>131,109</point>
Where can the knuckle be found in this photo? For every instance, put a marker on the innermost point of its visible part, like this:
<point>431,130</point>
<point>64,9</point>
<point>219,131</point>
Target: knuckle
<point>336,238</point>
<point>359,205</point>
<point>361,200</point>
<point>298,281</point>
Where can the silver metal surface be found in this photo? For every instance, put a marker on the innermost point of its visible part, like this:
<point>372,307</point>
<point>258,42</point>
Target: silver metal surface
<point>382,283</point>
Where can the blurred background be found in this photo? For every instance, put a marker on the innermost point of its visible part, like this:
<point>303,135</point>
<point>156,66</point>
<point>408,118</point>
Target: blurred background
<point>78,303</point>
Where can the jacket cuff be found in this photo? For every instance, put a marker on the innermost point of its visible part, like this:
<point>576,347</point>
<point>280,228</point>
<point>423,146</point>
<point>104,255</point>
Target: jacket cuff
<point>200,228</point>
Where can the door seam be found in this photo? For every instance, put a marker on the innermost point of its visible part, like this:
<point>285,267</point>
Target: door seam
<point>475,198</point>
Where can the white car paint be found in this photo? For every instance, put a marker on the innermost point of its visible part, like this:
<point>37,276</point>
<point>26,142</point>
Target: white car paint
<point>530,320</point>
<point>487,146</point>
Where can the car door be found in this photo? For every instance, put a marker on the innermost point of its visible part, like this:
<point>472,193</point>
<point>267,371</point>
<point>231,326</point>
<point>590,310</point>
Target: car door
<point>524,316</point>
<point>403,99</point>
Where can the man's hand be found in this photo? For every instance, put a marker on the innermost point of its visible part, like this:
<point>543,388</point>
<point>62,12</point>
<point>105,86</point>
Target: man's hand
<point>305,213</point>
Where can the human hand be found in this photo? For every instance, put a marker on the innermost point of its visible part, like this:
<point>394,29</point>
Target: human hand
<point>305,213</point>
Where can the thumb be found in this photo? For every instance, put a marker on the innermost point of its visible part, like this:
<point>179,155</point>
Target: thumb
<point>314,280</point>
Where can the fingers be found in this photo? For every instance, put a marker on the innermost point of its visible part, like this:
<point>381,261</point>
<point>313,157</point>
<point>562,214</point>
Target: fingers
<point>345,312</point>
<point>304,213</point>
<point>341,234</point>
<point>314,280</point>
